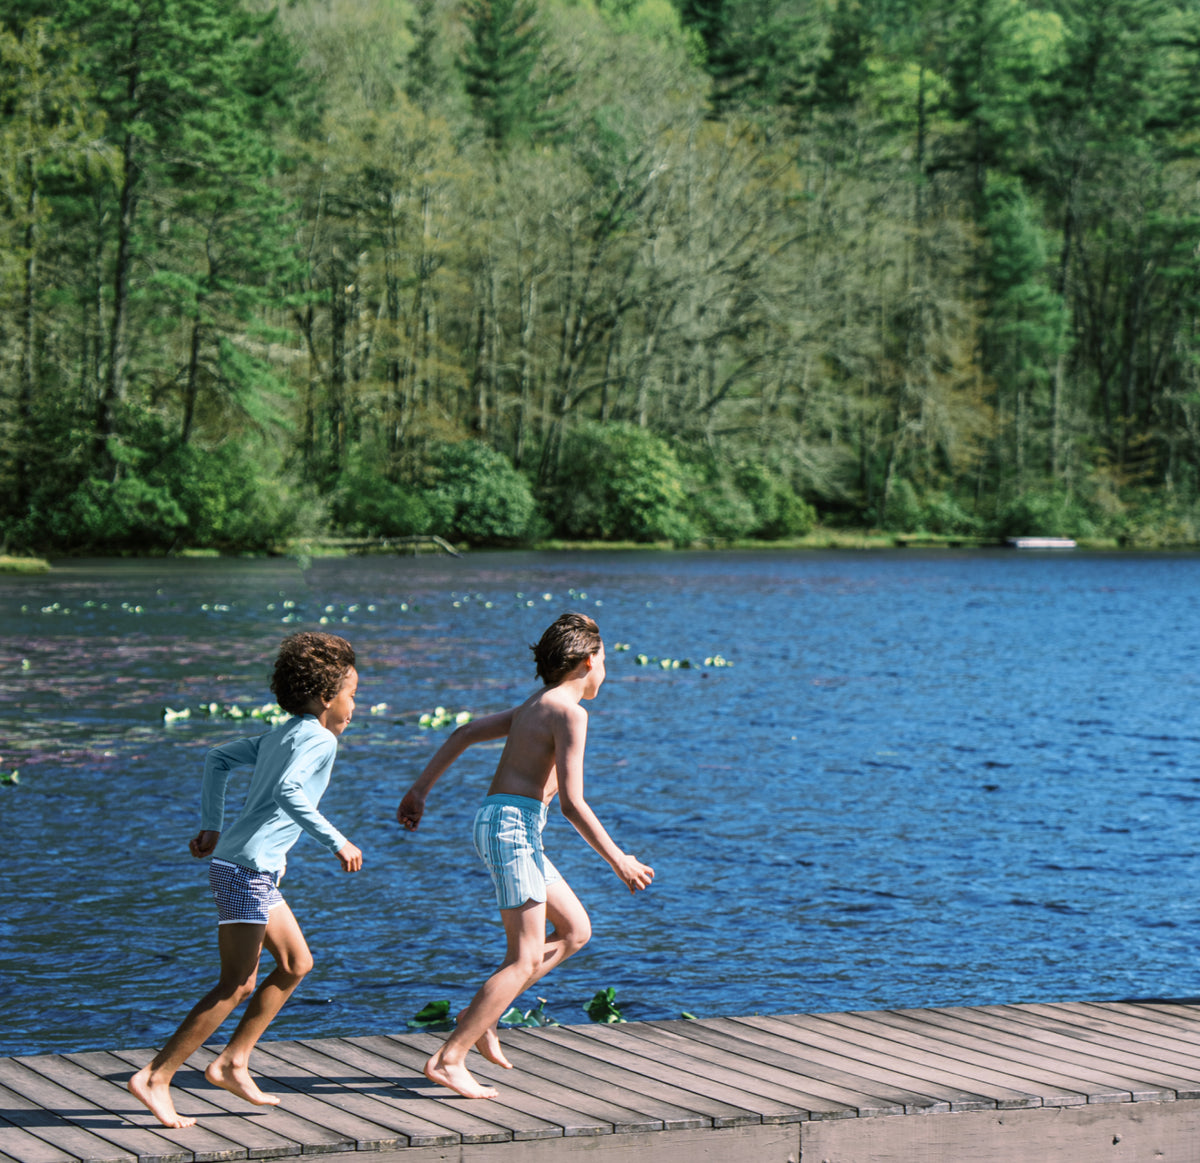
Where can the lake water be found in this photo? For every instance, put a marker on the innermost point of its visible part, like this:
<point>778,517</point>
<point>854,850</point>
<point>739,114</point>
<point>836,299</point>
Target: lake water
<point>926,779</point>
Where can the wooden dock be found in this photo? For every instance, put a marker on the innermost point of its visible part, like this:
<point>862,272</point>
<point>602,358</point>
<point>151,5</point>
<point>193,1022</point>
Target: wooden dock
<point>1064,1083</point>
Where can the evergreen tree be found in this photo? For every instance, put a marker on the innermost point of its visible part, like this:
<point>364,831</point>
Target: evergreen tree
<point>185,86</point>
<point>515,94</point>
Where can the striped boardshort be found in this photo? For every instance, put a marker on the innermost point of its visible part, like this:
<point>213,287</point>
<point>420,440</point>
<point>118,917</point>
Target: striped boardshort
<point>508,838</point>
<point>243,895</point>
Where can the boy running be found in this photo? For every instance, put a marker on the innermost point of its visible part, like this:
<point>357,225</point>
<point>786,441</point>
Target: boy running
<point>315,682</point>
<point>542,756</point>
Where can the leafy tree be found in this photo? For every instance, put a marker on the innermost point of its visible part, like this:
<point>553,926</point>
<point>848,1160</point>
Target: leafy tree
<point>617,481</point>
<point>475,494</point>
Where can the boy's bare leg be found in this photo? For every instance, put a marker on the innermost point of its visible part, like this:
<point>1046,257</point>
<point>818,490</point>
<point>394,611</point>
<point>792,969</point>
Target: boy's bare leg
<point>230,1070</point>
<point>525,929</point>
<point>570,930</point>
<point>241,947</point>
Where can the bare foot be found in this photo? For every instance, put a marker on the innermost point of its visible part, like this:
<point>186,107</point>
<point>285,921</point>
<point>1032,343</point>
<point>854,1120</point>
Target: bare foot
<point>237,1080</point>
<point>489,1046</point>
<point>457,1077</point>
<point>156,1097</point>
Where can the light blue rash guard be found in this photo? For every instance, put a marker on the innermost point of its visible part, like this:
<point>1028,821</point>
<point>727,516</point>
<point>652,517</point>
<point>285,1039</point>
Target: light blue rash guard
<point>292,764</point>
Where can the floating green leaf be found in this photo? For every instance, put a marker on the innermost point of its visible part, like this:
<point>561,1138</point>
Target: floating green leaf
<point>440,717</point>
<point>12,778</point>
<point>603,1007</point>
<point>431,1015</point>
<point>533,1017</point>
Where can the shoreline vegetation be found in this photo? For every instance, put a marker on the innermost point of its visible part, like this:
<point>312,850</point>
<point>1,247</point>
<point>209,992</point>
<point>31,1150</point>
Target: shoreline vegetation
<point>652,272</point>
<point>817,539</point>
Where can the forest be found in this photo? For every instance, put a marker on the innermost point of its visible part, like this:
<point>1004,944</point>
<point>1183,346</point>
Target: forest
<point>507,271</point>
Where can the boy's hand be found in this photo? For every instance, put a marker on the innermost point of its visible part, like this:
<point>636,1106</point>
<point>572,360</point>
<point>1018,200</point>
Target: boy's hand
<point>411,809</point>
<point>350,856</point>
<point>202,844</point>
<point>633,872</point>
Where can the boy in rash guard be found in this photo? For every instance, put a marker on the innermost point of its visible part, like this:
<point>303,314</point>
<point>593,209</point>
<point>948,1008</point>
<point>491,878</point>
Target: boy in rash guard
<point>542,757</point>
<point>315,682</point>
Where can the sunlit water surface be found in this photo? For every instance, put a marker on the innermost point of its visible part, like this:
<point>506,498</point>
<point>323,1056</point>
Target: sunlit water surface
<point>955,778</point>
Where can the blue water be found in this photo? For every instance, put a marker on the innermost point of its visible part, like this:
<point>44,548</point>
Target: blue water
<point>926,779</point>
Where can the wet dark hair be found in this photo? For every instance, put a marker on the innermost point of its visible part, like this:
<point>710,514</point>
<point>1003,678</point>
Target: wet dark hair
<point>564,645</point>
<point>311,665</point>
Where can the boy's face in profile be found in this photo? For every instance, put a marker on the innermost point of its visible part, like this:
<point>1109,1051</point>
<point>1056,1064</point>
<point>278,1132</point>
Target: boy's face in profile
<point>340,709</point>
<point>596,675</point>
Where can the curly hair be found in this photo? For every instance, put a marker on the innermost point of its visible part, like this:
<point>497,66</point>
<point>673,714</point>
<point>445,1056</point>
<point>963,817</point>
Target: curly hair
<point>564,645</point>
<point>311,665</point>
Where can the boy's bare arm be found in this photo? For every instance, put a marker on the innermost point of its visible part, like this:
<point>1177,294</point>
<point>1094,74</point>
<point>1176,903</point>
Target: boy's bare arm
<point>412,807</point>
<point>570,736</point>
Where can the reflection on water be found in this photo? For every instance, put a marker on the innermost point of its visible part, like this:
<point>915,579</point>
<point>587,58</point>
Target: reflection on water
<point>925,780</point>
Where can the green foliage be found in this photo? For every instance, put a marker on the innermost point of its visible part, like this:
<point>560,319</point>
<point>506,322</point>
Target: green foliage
<point>530,1018</point>
<point>513,92</point>
<point>1044,514</point>
<point>942,513</point>
<point>603,1007</point>
<point>126,514</point>
<point>234,496</point>
<point>435,1015</point>
<point>778,510</point>
<point>365,503</point>
<point>474,494</point>
<point>619,482</point>
<point>930,263</point>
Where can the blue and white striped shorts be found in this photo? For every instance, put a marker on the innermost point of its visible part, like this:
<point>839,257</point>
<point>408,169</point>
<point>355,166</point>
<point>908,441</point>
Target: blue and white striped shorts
<point>508,838</point>
<point>243,895</point>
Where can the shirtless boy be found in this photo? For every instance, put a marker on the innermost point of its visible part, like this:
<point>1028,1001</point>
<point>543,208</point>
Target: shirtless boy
<point>315,682</point>
<point>542,756</point>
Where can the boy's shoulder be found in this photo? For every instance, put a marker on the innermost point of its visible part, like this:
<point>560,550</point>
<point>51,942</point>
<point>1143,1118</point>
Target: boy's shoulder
<point>299,731</point>
<point>557,707</point>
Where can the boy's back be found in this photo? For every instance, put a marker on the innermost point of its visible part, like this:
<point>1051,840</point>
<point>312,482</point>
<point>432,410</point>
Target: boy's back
<point>541,732</point>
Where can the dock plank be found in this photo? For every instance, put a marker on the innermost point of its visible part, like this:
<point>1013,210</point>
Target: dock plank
<point>345,1113</point>
<point>526,1124</point>
<point>147,1146</point>
<point>357,1059</point>
<point>493,1119</point>
<point>283,1134</point>
<point>29,1148</point>
<point>325,1078</point>
<point>725,1106</point>
<point>1146,1080</point>
<point>220,1110</point>
<point>56,1132</point>
<point>1112,1036</point>
<point>926,1088</point>
<point>647,1112</point>
<point>841,1093</point>
<point>771,1102</point>
<point>1042,1082</point>
<point>1059,1082</point>
<point>576,1114</point>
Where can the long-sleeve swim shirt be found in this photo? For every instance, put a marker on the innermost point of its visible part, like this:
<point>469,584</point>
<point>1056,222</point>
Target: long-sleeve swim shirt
<point>292,764</point>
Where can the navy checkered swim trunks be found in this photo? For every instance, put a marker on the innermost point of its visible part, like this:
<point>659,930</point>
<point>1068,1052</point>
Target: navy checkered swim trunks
<point>243,895</point>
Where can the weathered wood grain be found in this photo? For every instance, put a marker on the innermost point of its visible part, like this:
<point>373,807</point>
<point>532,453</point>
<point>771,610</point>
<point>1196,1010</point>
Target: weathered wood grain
<point>1059,1083</point>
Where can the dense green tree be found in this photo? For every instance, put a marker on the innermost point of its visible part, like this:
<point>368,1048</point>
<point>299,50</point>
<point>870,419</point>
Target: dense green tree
<point>920,263</point>
<point>516,91</point>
